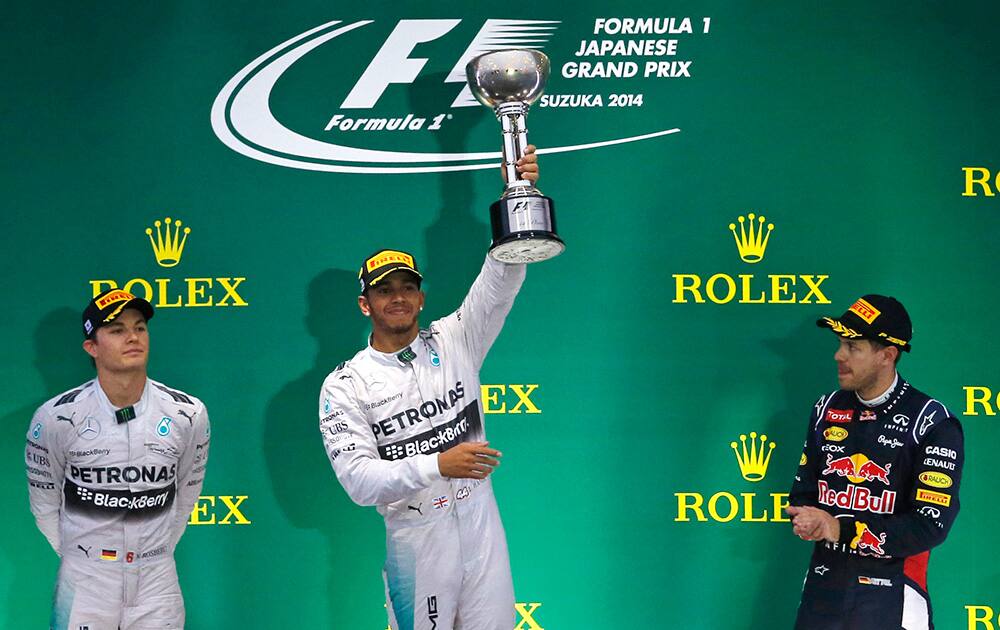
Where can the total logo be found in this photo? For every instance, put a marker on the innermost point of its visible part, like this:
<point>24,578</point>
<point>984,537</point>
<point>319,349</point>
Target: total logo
<point>752,238</point>
<point>752,458</point>
<point>402,80</point>
<point>168,239</point>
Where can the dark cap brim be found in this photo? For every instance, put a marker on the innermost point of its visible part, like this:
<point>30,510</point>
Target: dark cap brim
<point>383,275</point>
<point>839,328</point>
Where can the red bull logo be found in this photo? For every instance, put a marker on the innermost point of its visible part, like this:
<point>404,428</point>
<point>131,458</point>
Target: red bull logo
<point>873,472</point>
<point>867,541</point>
<point>857,498</point>
<point>842,466</point>
<point>857,468</point>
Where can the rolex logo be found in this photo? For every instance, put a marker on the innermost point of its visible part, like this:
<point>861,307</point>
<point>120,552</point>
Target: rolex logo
<point>753,463</point>
<point>751,240</point>
<point>203,291</point>
<point>746,288</point>
<point>169,246</point>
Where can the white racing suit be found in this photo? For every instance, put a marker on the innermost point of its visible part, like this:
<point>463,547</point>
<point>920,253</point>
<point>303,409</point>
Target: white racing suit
<point>113,499</point>
<point>384,419</point>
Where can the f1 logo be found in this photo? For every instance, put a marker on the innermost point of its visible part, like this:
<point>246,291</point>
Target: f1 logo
<point>394,65</point>
<point>527,612</point>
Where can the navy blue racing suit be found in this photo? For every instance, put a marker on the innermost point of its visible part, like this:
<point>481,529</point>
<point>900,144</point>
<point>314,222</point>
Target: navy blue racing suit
<point>890,473</point>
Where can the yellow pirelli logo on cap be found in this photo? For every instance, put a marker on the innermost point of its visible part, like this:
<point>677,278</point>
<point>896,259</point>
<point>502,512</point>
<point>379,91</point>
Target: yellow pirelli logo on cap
<point>386,257</point>
<point>113,298</point>
<point>865,311</point>
<point>937,498</point>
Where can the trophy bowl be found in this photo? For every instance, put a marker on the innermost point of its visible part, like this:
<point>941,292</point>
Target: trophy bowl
<point>508,76</point>
<point>523,219</point>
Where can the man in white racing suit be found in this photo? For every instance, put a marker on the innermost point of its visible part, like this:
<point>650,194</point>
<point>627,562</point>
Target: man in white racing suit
<point>114,469</point>
<point>402,423</point>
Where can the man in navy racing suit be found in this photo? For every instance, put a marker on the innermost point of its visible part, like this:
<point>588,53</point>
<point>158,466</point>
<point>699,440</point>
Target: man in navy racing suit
<point>114,469</point>
<point>402,424</point>
<point>877,484</point>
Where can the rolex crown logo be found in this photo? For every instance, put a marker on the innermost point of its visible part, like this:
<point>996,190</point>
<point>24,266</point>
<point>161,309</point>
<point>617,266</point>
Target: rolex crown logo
<point>751,240</point>
<point>168,245</point>
<point>753,464</point>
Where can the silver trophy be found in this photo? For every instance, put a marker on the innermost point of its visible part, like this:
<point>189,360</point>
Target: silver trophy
<point>523,220</point>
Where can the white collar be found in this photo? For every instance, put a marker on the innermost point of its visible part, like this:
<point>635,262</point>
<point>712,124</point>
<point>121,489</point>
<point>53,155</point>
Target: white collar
<point>878,400</point>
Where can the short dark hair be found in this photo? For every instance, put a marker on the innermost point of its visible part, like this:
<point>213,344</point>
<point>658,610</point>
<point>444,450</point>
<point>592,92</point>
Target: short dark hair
<point>878,345</point>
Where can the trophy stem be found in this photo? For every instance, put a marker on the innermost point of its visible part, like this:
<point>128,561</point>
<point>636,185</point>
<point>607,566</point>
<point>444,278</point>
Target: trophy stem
<point>515,140</point>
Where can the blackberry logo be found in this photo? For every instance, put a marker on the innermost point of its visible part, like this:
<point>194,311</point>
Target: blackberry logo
<point>84,493</point>
<point>394,451</point>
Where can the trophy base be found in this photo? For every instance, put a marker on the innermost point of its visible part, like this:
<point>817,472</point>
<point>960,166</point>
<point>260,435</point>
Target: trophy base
<point>524,229</point>
<point>527,247</point>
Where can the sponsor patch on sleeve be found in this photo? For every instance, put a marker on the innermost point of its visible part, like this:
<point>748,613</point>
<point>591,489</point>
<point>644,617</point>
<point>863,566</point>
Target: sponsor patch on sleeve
<point>937,498</point>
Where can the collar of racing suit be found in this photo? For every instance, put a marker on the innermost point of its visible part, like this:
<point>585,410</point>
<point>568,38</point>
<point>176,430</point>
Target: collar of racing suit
<point>417,346</point>
<point>878,400</point>
<point>106,405</point>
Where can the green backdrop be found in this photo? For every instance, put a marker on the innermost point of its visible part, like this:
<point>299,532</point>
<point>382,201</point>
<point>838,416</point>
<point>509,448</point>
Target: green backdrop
<point>852,127</point>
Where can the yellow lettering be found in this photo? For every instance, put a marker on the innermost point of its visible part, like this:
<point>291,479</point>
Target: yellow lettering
<point>971,399</point>
<point>975,619</point>
<point>814,290</point>
<point>98,286</point>
<point>162,284</point>
<point>984,181</point>
<point>523,399</point>
<point>683,506</point>
<point>734,507</point>
<point>202,509</point>
<point>491,399</point>
<point>710,288</point>
<point>746,279</point>
<point>778,287</point>
<point>748,516</point>
<point>527,611</point>
<point>780,503</point>
<point>195,291</point>
<point>231,292</point>
<point>685,282</point>
<point>234,510</point>
<point>146,288</point>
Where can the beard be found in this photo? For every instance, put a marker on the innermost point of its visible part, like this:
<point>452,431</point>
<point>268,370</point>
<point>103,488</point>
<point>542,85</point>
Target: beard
<point>396,327</point>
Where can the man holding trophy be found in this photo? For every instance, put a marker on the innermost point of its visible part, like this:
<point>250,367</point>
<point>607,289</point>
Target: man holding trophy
<point>402,421</point>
